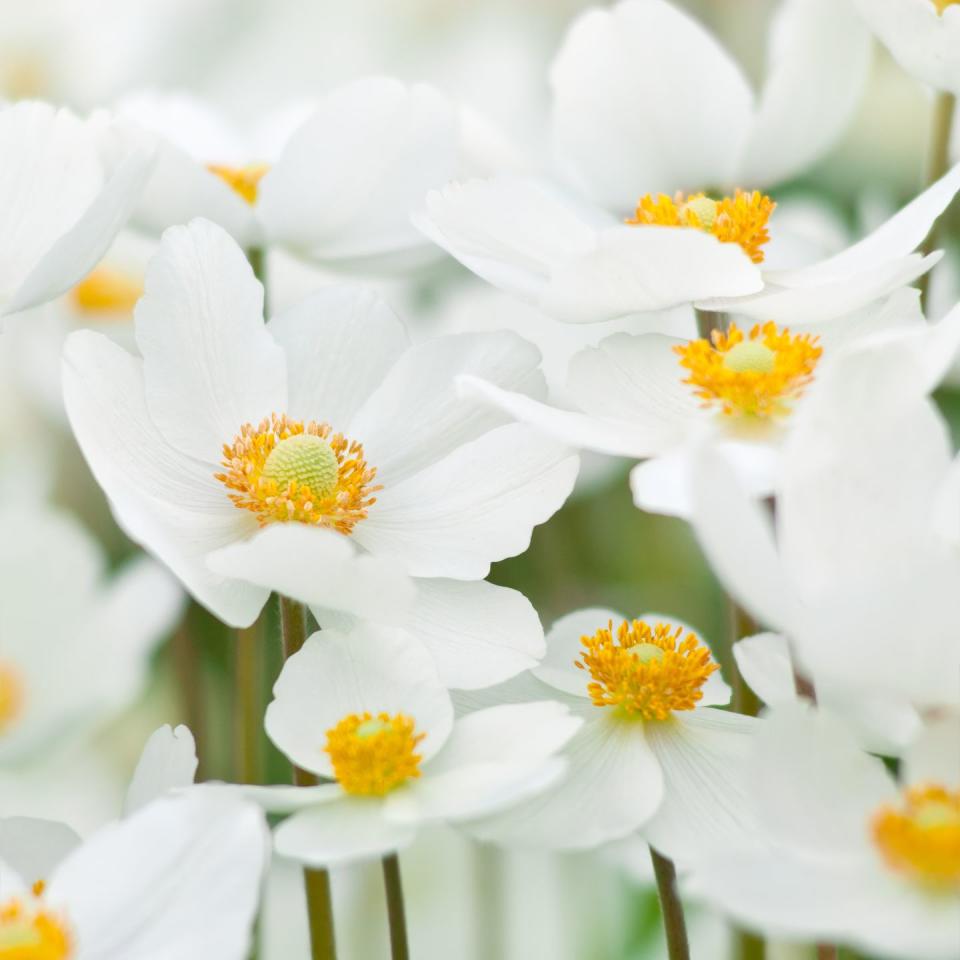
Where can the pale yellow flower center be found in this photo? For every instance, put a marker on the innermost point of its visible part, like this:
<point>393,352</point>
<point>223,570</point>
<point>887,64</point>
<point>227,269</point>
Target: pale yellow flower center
<point>29,932</point>
<point>11,696</point>
<point>373,754</point>
<point>106,290</point>
<point>244,181</point>
<point>942,5</point>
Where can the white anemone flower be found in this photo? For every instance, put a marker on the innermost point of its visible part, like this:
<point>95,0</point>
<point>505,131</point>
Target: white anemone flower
<point>335,181</point>
<point>367,710</point>
<point>653,754</point>
<point>864,549</point>
<point>842,852</point>
<point>75,643</point>
<point>644,94</point>
<point>660,398</point>
<point>346,449</point>
<point>922,35</point>
<point>181,878</point>
<point>67,186</point>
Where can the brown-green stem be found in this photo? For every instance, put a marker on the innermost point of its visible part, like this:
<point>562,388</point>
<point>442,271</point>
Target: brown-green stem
<point>671,909</point>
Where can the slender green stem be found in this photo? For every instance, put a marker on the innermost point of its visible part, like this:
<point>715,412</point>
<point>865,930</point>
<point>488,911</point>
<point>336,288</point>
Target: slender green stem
<point>671,909</point>
<point>188,669</point>
<point>748,946</point>
<point>826,951</point>
<point>710,320</point>
<point>257,257</point>
<point>488,880</point>
<point>742,625</point>
<point>938,163</point>
<point>293,630</point>
<point>399,947</point>
<point>248,670</point>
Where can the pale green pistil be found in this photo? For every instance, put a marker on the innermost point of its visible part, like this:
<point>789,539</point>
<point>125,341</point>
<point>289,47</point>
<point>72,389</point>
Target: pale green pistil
<point>306,460</point>
<point>370,728</point>
<point>647,652</point>
<point>705,209</point>
<point>750,356</point>
<point>19,935</point>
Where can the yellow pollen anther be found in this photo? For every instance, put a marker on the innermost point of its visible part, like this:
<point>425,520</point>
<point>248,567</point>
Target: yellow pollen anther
<point>31,933</point>
<point>371,755</point>
<point>287,470</point>
<point>942,5</point>
<point>645,671</point>
<point>11,696</point>
<point>757,376</point>
<point>244,181</point>
<point>740,219</point>
<point>105,290</point>
<point>922,838</point>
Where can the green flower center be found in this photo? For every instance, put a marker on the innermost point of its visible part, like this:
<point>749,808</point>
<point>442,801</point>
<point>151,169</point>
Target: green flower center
<point>750,356</point>
<point>306,460</point>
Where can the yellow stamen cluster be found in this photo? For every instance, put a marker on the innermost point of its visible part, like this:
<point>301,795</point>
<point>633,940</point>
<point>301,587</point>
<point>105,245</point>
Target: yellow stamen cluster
<point>757,375</point>
<point>244,181</point>
<point>922,838</point>
<point>645,671</point>
<point>105,290</point>
<point>942,5</point>
<point>288,470</point>
<point>740,219</point>
<point>371,755</point>
<point>11,696</point>
<point>28,933</point>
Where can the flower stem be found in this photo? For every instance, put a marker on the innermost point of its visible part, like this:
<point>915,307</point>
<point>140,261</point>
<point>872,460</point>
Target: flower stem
<point>826,951</point>
<point>248,669</point>
<point>489,882</point>
<point>938,163</point>
<point>742,625</point>
<point>708,321</point>
<point>399,948</point>
<point>670,907</point>
<point>748,946</point>
<point>189,671</point>
<point>257,258</point>
<point>293,631</point>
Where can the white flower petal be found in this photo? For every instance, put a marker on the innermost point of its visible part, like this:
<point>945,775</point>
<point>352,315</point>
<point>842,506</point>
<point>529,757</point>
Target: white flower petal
<point>209,365</point>
<point>284,799</point>
<point>369,669</point>
<point>168,761</point>
<point>477,633</point>
<point>417,416</point>
<point>34,848</point>
<point>340,343</point>
<point>318,567</point>
<point>764,662</point>
<point>558,668</point>
<point>802,112</point>
<point>180,878</point>
<point>344,831</point>
<point>934,754</point>
<point>646,101</point>
<point>477,505</point>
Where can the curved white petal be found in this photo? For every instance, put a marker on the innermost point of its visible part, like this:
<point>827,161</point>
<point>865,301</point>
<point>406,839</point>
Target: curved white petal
<point>340,343</point>
<point>476,505</point>
<point>558,668</point>
<point>369,669</point>
<point>180,878</point>
<point>646,101</point>
<point>209,365</point>
<point>934,754</point>
<point>318,567</point>
<point>168,761</point>
<point>477,633</point>
<point>34,848</point>
<point>764,662</point>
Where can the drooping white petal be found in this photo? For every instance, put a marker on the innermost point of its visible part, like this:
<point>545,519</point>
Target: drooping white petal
<point>34,848</point>
<point>802,112</point>
<point>209,365</point>
<point>168,761</point>
<point>318,567</point>
<point>934,754</point>
<point>476,505</point>
<point>343,831</point>
<point>370,669</point>
<point>558,668</point>
<point>180,878</point>
<point>645,100</point>
<point>340,343</point>
<point>764,662</point>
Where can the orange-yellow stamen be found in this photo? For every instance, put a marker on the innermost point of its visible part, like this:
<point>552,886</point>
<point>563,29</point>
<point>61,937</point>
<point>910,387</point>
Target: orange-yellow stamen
<point>740,219</point>
<point>942,5</point>
<point>373,754</point>
<point>646,671</point>
<point>921,838</point>
<point>244,181</point>
<point>28,932</point>
<point>288,470</point>
<point>758,375</point>
<point>106,290</point>
<point>11,696</point>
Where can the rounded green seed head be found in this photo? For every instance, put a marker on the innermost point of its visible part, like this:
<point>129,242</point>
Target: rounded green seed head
<point>750,356</point>
<point>705,209</point>
<point>306,459</point>
<point>370,728</point>
<point>647,652</point>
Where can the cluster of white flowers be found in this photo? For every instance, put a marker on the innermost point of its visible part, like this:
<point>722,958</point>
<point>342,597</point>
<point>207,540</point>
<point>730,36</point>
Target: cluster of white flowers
<point>269,426</point>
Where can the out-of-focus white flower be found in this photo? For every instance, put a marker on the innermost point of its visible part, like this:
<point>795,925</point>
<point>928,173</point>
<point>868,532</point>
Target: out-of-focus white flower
<point>168,762</point>
<point>181,877</point>
<point>334,181</point>
<point>923,35</point>
<point>866,549</point>
<point>652,754</point>
<point>841,852</point>
<point>658,397</point>
<point>226,427</point>
<point>67,186</point>
<point>367,709</point>
<point>643,94</point>
<point>74,644</point>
